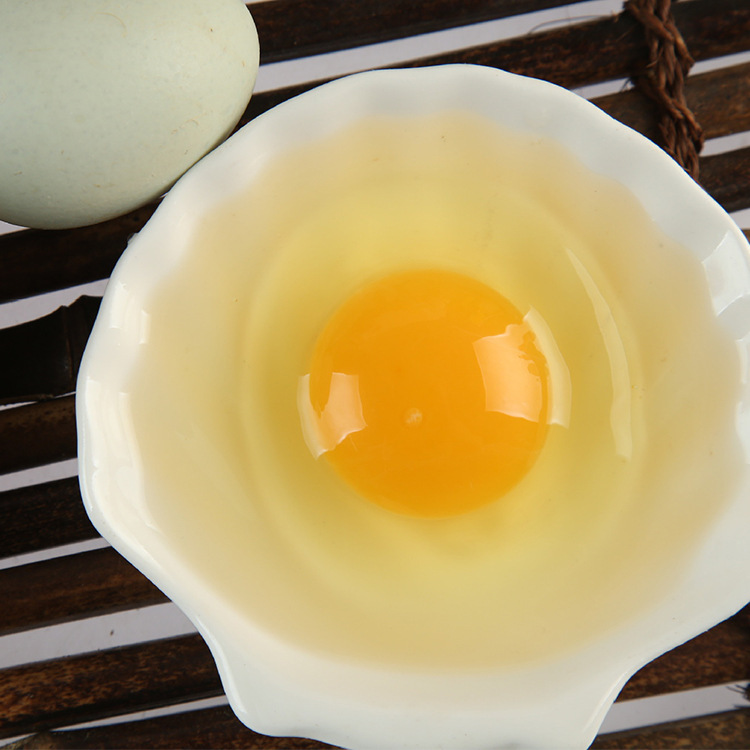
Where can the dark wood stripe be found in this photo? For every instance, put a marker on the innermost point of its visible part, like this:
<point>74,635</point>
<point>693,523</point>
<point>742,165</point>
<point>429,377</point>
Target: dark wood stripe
<point>729,730</point>
<point>36,260</point>
<point>45,353</point>
<point>37,434</point>
<point>41,516</point>
<point>297,28</point>
<point>105,683</point>
<point>719,99</point>
<point>595,51</point>
<point>718,656</point>
<point>71,587</point>
<point>612,47</point>
<point>210,727</point>
<point>727,178</point>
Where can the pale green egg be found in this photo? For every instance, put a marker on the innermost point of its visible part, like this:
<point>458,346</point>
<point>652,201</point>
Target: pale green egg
<point>105,103</point>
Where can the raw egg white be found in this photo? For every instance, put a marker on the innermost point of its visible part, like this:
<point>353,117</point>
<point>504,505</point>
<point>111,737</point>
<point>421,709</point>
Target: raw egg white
<point>332,283</point>
<point>105,103</point>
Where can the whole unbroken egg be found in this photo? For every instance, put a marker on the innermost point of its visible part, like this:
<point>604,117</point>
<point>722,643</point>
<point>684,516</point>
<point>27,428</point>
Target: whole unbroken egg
<point>105,103</point>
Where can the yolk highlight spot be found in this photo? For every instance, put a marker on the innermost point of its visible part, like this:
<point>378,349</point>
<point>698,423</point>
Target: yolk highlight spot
<point>427,393</point>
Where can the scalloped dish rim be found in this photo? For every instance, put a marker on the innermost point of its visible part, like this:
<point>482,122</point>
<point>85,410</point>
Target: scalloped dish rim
<point>278,689</point>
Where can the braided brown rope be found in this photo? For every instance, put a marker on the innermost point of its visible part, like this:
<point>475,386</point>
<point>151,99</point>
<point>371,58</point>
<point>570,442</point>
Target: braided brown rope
<point>663,81</point>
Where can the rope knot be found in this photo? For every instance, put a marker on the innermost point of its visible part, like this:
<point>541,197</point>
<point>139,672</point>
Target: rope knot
<point>663,81</point>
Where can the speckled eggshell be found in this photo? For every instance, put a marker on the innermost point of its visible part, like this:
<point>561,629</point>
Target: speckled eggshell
<point>105,103</point>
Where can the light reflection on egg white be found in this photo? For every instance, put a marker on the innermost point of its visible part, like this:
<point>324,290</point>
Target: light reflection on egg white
<point>560,385</point>
<point>505,372</point>
<point>341,416</point>
<point>620,412</point>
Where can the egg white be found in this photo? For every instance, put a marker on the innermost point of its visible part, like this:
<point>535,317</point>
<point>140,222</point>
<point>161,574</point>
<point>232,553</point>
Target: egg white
<point>569,551</point>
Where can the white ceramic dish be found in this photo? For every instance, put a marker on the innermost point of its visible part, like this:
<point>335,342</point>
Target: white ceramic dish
<point>278,687</point>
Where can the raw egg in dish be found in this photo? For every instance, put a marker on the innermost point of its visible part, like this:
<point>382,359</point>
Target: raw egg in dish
<point>402,398</point>
<point>435,385</point>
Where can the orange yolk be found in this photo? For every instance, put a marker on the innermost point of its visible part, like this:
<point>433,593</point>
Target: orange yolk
<point>427,393</point>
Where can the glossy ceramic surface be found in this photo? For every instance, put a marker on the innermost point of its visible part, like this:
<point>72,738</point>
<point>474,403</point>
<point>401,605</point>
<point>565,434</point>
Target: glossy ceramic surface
<point>278,687</point>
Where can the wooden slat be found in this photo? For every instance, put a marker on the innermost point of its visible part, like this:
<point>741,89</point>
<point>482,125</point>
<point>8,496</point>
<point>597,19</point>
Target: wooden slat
<point>37,434</point>
<point>610,48</point>
<point>727,178</point>
<point>36,260</point>
<point>719,99</point>
<point>42,516</point>
<point>592,52</point>
<point>71,587</point>
<point>210,727</point>
<point>728,730</point>
<point>83,688</point>
<point>293,28</point>
<point>43,356</point>
<point>69,691</point>
<point>719,656</point>
<point>605,49</point>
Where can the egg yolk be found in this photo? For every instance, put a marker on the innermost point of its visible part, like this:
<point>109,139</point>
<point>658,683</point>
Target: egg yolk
<point>427,393</point>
